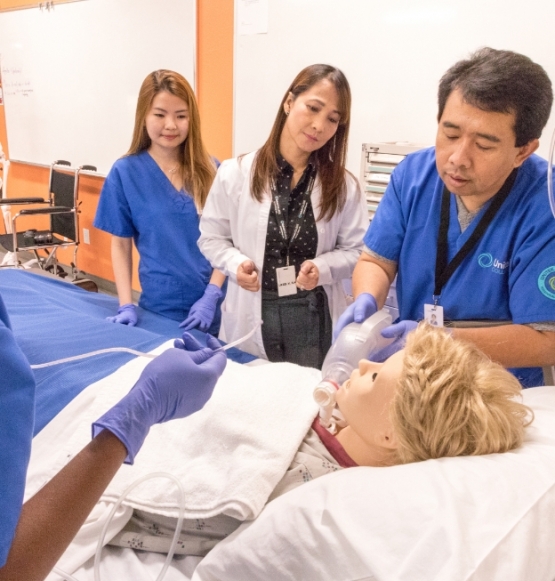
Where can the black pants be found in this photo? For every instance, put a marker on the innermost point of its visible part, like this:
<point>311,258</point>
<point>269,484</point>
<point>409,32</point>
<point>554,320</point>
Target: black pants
<point>297,328</point>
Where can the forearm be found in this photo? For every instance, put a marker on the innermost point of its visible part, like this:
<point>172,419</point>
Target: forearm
<point>51,518</point>
<point>336,265</point>
<point>512,345</point>
<point>374,277</point>
<point>221,253</point>
<point>217,278</point>
<point>122,264</point>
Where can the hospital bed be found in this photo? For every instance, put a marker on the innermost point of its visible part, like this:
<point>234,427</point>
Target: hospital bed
<point>478,518</point>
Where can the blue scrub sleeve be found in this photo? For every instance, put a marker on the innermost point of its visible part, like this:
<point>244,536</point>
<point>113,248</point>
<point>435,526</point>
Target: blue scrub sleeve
<point>532,278</point>
<point>17,404</point>
<point>113,213</point>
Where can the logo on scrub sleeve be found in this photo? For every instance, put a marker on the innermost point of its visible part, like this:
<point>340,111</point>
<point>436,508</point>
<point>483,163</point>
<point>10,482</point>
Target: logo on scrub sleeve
<point>486,260</point>
<point>546,282</point>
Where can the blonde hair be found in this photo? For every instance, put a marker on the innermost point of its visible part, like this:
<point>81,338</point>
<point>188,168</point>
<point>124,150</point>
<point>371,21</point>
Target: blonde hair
<point>452,400</point>
<point>197,167</point>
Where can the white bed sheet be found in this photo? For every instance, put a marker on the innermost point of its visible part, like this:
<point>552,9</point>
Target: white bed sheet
<point>229,456</point>
<point>129,565</point>
<point>482,518</point>
<point>489,518</point>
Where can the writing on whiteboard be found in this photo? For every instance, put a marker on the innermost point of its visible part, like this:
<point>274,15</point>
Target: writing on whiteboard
<point>15,83</point>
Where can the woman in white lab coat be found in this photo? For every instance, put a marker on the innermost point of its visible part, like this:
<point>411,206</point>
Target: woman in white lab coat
<point>286,223</point>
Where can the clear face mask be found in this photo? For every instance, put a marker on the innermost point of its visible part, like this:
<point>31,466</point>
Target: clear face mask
<point>355,342</point>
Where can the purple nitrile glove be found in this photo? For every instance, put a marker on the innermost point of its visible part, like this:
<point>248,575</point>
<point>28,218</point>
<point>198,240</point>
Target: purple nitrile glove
<point>365,306</point>
<point>399,333</point>
<point>202,312</point>
<point>174,385</point>
<point>189,343</point>
<point>127,315</point>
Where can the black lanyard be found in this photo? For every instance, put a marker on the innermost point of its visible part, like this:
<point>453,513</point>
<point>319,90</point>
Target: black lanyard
<point>444,271</point>
<point>297,219</point>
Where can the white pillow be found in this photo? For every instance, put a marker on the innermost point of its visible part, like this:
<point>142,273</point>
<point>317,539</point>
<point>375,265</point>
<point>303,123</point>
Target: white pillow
<point>483,518</point>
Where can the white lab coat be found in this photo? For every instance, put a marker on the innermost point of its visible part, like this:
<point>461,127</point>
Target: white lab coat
<point>233,229</point>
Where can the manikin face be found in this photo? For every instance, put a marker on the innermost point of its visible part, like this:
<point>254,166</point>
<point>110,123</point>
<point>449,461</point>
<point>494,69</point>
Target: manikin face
<point>313,118</point>
<point>475,150</point>
<point>167,122</point>
<point>365,399</point>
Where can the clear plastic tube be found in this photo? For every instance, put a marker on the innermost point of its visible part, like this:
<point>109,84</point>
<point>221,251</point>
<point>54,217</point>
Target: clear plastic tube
<point>134,352</point>
<point>117,505</point>
<point>64,575</point>
<point>550,194</point>
<point>92,354</point>
<point>241,339</point>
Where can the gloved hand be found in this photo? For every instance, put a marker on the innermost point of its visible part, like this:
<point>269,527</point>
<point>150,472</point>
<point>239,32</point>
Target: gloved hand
<point>174,385</point>
<point>189,343</point>
<point>365,306</point>
<point>399,333</point>
<point>202,312</point>
<point>127,315</point>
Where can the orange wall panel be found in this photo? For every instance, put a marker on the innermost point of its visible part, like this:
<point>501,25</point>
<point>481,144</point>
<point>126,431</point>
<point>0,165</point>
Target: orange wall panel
<point>3,131</point>
<point>7,4</point>
<point>215,74</point>
<point>28,180</point>
<point>12,4</point>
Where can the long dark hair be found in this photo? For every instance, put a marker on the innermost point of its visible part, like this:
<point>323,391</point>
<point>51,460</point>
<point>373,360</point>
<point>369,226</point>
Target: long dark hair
<point>330,158</point>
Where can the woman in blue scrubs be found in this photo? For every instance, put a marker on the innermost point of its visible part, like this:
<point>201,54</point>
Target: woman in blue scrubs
<point>153,196</point>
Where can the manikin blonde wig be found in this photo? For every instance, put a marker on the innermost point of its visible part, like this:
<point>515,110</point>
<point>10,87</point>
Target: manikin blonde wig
<point>452,400</point>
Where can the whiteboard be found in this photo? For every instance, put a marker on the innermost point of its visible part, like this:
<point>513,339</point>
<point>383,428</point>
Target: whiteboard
<point>393,54</point>
<point>71,75</point>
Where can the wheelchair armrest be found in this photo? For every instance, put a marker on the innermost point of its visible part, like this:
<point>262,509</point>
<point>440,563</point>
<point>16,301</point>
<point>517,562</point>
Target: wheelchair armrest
<point>16,201</point>
<point>49,210</point>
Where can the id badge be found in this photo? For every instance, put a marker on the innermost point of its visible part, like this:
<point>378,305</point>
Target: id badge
<point>286,281</point>
<point>434,315</point>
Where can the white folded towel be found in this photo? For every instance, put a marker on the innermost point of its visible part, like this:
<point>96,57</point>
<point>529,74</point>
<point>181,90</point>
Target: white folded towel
<point>229,456</point>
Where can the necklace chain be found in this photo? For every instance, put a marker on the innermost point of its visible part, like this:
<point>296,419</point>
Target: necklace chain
<point>171,171</point>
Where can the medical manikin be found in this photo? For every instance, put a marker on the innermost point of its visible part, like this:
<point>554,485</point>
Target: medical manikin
<point>385,414</point>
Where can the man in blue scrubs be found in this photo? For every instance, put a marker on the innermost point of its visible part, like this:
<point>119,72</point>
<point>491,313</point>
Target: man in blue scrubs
<point>466,226</point>
<point>33,537</point>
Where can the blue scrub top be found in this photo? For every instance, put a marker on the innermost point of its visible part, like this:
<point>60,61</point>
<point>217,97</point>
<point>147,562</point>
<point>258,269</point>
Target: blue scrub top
<point>17,408</point>
<point>508,276</point>
<point>138,201</point>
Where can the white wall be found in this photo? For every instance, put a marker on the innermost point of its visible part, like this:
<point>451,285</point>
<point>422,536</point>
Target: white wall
<point>393,53</point>
<point>71,76</point>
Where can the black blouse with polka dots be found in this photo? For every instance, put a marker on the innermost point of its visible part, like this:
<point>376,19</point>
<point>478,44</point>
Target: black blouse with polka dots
<point>290,201</point>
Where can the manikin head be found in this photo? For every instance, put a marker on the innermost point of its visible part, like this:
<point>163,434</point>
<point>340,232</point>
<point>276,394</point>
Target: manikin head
<point>437,397</point>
